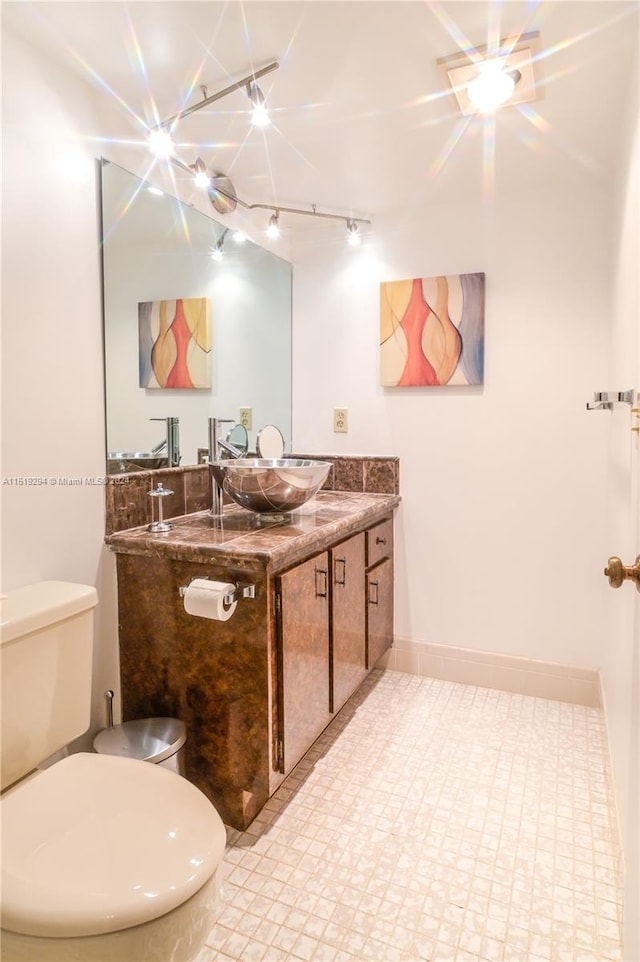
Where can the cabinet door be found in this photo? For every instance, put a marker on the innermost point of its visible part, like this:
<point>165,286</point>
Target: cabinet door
<point>379,611</point>
<point>348,619</point>
<point>304,647</point>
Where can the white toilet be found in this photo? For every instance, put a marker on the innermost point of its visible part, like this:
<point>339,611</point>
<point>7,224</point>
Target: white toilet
<point>103,858</point>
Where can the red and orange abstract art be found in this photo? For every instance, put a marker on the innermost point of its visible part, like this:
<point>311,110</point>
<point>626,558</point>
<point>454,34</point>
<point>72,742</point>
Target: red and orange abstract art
<point>174,340</point>
<point>432,331</point>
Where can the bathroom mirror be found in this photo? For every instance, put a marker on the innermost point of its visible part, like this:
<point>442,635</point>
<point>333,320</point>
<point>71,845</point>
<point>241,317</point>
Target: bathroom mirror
<point>157,251</point>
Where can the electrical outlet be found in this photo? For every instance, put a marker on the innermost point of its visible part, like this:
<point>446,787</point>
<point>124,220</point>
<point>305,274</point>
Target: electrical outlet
<point>340,420</point>
<point>245,418</point>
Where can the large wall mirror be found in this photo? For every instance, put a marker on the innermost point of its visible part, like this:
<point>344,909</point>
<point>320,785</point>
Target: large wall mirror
<point>157,250</point>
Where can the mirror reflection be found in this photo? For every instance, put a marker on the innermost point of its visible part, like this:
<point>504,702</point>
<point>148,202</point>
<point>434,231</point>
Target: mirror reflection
<point>188,336</point>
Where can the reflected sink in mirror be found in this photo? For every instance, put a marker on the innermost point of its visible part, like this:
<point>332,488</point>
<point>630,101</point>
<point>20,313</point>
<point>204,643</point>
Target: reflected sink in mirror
<point>270,486</point>
<point>120,461</point>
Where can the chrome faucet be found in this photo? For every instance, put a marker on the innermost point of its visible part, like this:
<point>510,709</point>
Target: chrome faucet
<point>230,449</point>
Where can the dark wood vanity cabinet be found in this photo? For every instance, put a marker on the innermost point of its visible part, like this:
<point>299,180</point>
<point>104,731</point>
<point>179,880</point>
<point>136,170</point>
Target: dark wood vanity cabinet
<point>334,623</point>
<point>255,691</point>
<point>348,655</point>
<point>304,700</point>
<point>379,591</point>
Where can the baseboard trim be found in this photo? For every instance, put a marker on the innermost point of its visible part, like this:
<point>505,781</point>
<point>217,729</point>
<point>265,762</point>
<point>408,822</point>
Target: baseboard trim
<point>488,669</point>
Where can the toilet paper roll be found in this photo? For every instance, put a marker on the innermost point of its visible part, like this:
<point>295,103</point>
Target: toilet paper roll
<point>205,599</point>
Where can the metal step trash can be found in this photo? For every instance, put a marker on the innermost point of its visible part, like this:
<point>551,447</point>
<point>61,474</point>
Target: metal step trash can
<point>157,740</point>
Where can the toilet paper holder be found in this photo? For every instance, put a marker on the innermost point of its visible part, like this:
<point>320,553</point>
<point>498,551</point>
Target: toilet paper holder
<point>241,590</point>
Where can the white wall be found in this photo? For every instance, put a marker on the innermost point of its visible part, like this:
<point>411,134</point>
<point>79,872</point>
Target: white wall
<point>498,536</point>
<point>621,664</point>
<point>52,386</point>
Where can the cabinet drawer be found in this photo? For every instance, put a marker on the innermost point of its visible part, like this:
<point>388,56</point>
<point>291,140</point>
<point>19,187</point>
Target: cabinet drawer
<point>379,542</point>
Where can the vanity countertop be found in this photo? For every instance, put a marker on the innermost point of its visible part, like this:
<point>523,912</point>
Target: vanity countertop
<point>242,539</point>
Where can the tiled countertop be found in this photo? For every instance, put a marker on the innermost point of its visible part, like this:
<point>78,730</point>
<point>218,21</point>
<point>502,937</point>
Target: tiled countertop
<point>242,539</point>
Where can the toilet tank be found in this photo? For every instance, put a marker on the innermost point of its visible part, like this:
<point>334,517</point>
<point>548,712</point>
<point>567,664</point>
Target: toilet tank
<point>46,654</point>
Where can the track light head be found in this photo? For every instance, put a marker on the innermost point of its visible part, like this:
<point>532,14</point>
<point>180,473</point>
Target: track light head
<point>160,142</point>
<point>218,250</point>
<point>259,117</point>
<point>200,176</point>
<point>353,237</point>
<point>273,227</point>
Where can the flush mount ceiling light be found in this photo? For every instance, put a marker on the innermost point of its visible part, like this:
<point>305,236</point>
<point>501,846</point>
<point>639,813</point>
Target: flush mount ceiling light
<point>222,193</point>
<point>484,80</point>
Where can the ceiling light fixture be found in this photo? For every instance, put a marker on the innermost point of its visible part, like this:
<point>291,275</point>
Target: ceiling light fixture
<point>273,227</point>
<point>224,198</point>
<point>200,176</point>
<point>222,193</point>
<point>259,116</point>
<point>353,235</point>
<point>246,82</point>
<point>484,79</point>
<point>218,249</point>
<point>160,142</point>
<point>493,86</point>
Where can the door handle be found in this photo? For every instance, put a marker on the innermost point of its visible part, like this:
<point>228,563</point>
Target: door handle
<point>616,572</point>
<point>321,583</point>
<point>340,579</point>
<point>373,594</point>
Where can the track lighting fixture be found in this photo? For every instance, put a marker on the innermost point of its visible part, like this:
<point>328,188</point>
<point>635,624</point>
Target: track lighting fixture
<point>273,228</point>
<point>222,193</point>
<point>218,250</point>
<point>248,82</point>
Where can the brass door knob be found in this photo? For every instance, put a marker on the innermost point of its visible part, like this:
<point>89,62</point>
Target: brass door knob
<point>616,572</point>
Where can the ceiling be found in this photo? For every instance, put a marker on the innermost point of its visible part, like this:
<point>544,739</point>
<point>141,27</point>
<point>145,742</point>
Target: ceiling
<point>362,122</point>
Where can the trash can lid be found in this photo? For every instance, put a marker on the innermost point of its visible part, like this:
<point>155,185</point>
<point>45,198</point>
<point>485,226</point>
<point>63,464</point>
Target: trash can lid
<point>149,739</point>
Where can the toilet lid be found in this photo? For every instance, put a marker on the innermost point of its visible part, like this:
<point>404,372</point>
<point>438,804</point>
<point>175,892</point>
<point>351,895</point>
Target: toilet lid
<point>98,843</point>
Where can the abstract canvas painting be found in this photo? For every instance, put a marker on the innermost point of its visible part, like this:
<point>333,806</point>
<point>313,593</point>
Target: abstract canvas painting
<point>432,331</point>
<point>174,340</point>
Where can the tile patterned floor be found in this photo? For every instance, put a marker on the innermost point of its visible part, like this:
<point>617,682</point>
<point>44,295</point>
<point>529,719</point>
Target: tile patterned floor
<point>432,821</point>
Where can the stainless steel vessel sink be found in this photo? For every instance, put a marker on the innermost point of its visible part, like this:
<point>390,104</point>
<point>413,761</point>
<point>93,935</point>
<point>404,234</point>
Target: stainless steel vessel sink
<point>270,486</point>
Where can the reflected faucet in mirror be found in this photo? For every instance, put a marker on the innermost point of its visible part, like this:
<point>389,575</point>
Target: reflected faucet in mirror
<point>171,442</point>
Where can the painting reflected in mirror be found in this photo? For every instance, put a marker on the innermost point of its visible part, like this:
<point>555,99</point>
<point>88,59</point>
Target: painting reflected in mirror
<point>187,336</point>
